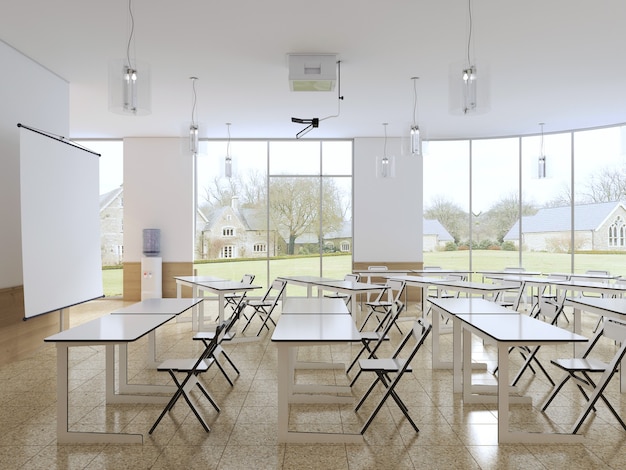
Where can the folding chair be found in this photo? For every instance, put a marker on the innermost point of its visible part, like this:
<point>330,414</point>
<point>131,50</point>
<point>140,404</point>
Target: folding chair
<point>393,365</point>
<point>372,340</point>
<point>371,272</point>
<point>550,310</point>
<point>580,368</point>
<point>339,295</point>
<point>191,368</point>
<point>264,307</point>
<point>381,306</point>
<point>207,336</point>
<point>233,299</point>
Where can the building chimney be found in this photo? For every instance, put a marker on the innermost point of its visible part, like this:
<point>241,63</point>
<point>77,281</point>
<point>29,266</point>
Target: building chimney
<point>234,203</point>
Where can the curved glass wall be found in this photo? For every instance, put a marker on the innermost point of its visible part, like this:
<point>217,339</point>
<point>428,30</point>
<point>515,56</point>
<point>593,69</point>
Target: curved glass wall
<point>551,203</point>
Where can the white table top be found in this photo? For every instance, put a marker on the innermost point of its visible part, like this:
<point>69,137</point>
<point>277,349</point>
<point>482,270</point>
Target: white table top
<point>471,305</point>
<point>159,306</point>
<point>196,279</point>
<point>351,286</point>
<point>615,306</point>
<point>417,280</point>
<point>308,279</point>
<point>588,275</point>
<point>440,271</point>
<point>315,328</point>
<point>519,328</point>
<point>226,286</point>
<point>476,286</point>
<point>314,305</point>
<point>112,329</point>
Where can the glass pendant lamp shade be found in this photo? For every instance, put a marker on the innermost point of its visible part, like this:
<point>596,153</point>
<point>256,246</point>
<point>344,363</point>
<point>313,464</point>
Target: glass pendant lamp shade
<point>385,165</point>
<point>415,138</point>
<point>228,160</point>
<point>416,141</point>
<point>193,138</point>
<point>469,89</point>
<point>129,88</point>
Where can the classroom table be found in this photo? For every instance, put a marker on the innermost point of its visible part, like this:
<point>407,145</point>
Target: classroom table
<point>351,288</point>
<point>508,331</point>
<point>158,306</point>
<point>193,281</point>
<point>305,281</point>
<point>450,308</point>
<point>108,330</point>
<point>422,282</point>
<point>297,327</point>
<point>221,288</point>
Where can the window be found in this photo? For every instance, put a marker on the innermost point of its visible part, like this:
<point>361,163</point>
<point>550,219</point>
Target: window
<point>345,247</point>
<point>260,247</point>
<point>228,232</point>
<point>227,251</point>
<point>617,233</point>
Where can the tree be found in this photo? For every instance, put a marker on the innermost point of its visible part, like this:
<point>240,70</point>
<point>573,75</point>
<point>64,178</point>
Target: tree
<point>504,213</point>
<point>295,207</point>
<point>607,185</point>
<point>450,215</point>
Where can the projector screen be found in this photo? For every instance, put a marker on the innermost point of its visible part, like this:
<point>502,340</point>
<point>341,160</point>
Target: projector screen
<point>60,211</point>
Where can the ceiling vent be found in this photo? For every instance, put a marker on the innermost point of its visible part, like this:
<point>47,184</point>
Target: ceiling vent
<point>312,72</point>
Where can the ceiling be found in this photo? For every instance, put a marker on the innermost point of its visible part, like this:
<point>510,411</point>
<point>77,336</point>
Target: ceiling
<point>560,62</point>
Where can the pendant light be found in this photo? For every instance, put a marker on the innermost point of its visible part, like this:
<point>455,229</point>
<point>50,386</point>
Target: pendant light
<point>415,137</point>
<point>228,161</point>
<point>469,72</point>
<point>385,165</point>
<point>541,167</point>
<point>129,80</point>
<point>193,128</point>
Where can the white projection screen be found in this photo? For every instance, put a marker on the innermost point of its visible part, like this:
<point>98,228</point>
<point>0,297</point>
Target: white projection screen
<point>60,210</point>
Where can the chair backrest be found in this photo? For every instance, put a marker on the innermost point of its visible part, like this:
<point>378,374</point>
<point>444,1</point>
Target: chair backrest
<point>275,290</point>
<point>210,346</point>
<point>514,269</point>
<point>395,289</point>
<point>419,332</point>
<point>352,277</point>
<point>248,278</point>
<point>600,272</point>
<point>432,268</point>
<point>377,268</point>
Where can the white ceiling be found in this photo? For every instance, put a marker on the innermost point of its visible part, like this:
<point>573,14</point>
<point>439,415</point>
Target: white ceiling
<point>561,62</point>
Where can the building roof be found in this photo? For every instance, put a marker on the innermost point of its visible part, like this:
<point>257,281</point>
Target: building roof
<point>558,219</point>
<point>107,198</point>
<point>434,227</point>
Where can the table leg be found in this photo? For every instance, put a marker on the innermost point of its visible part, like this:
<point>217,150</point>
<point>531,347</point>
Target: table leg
<point>64,436</point>
<point>283,391</point>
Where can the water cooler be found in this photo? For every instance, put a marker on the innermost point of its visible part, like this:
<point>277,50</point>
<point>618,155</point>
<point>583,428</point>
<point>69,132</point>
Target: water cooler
<point>151,265</point>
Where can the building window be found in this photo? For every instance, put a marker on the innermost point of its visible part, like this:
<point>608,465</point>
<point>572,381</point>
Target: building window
<point>345,247</point>
<point>228,251</point>
<point>260,247</point>
<point>617,233</point>
<point>228,232</point>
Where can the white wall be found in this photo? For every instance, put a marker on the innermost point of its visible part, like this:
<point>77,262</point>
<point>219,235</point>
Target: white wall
<point>158,193</point>
<point>387,211</point>
<point>35,97</point>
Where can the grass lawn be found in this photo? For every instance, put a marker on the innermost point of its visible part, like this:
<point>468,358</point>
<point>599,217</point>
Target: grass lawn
<point>337,266</point>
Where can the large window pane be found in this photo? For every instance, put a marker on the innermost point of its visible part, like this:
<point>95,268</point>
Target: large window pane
<point>446,204</point>
<point>278,222</point>
<point>495,201</point>
<point>599,186</point>
<point>546,197</point>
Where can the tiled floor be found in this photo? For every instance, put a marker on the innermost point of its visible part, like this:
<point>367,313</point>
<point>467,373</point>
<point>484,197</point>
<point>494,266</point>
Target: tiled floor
<point>243,434</point>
